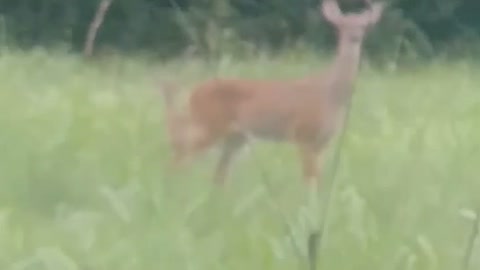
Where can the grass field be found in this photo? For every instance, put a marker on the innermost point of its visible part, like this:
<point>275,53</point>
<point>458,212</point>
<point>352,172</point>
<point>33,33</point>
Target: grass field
<point>84,185</point>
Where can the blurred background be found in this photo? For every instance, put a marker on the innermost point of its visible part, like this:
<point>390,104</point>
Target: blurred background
<point>410,28</point>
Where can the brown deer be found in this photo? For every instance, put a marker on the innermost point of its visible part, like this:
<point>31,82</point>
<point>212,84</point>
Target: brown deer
<point>305,112</point>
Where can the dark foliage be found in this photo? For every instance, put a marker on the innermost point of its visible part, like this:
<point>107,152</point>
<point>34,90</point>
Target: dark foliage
<point>410,28</point>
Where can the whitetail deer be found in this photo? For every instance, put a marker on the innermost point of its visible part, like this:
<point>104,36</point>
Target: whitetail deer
<point>306,111</point>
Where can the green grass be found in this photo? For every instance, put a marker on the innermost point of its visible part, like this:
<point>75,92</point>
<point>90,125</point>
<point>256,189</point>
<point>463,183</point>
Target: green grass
<point>84,181</point>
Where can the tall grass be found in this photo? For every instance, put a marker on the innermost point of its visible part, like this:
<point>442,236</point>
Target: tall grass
<point>84,182</point>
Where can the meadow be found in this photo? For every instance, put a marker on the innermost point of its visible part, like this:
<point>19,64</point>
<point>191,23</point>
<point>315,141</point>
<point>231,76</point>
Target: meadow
<point>84,181</point>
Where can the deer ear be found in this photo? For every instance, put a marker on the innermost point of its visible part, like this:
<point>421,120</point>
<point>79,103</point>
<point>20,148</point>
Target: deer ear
<point>331,11</point>
<point>376,11</point>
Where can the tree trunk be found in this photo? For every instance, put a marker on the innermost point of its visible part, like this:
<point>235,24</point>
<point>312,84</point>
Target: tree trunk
<point>94,26</point>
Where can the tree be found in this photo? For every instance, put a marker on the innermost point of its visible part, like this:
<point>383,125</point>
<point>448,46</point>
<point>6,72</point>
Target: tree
<point>94,26</point>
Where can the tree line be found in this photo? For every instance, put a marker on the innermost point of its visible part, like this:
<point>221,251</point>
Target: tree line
<point>409,28</point>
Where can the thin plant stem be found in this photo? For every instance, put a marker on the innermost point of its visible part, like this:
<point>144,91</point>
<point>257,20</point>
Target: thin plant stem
<point>471,241</point>
<point>317,236</point>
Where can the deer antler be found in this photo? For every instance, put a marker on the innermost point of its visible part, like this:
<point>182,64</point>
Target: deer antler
<point>376,10</point>
<point>334,15</point>
<point>331,11</point>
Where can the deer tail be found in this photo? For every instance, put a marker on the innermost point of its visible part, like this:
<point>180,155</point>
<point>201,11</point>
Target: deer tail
<point>168,92</point>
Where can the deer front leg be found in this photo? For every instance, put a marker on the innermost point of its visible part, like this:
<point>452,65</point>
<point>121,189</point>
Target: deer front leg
<point>229,150</point>
<point>312,163</point>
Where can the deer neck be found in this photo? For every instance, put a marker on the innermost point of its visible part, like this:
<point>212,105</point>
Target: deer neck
<point>344,70</point>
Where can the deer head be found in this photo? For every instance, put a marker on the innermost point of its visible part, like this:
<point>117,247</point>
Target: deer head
<point>351,27</point>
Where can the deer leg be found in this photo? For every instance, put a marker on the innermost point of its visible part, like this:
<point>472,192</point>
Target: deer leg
<point>312,163</point>
<point>190,143</point>
<point>230,148</point>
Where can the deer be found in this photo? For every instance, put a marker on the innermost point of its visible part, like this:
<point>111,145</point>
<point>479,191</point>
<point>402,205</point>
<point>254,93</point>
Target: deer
<point>306,112</point>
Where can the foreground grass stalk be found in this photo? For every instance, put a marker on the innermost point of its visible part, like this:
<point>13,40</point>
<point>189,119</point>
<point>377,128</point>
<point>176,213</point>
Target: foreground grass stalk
<point>276,205</point>
<point>317,236</point>
<point>471,241</point>
<point>313,240</point>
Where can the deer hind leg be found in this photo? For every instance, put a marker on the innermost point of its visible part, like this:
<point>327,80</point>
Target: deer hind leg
<point>229,150</point>
<point>189,139</point>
